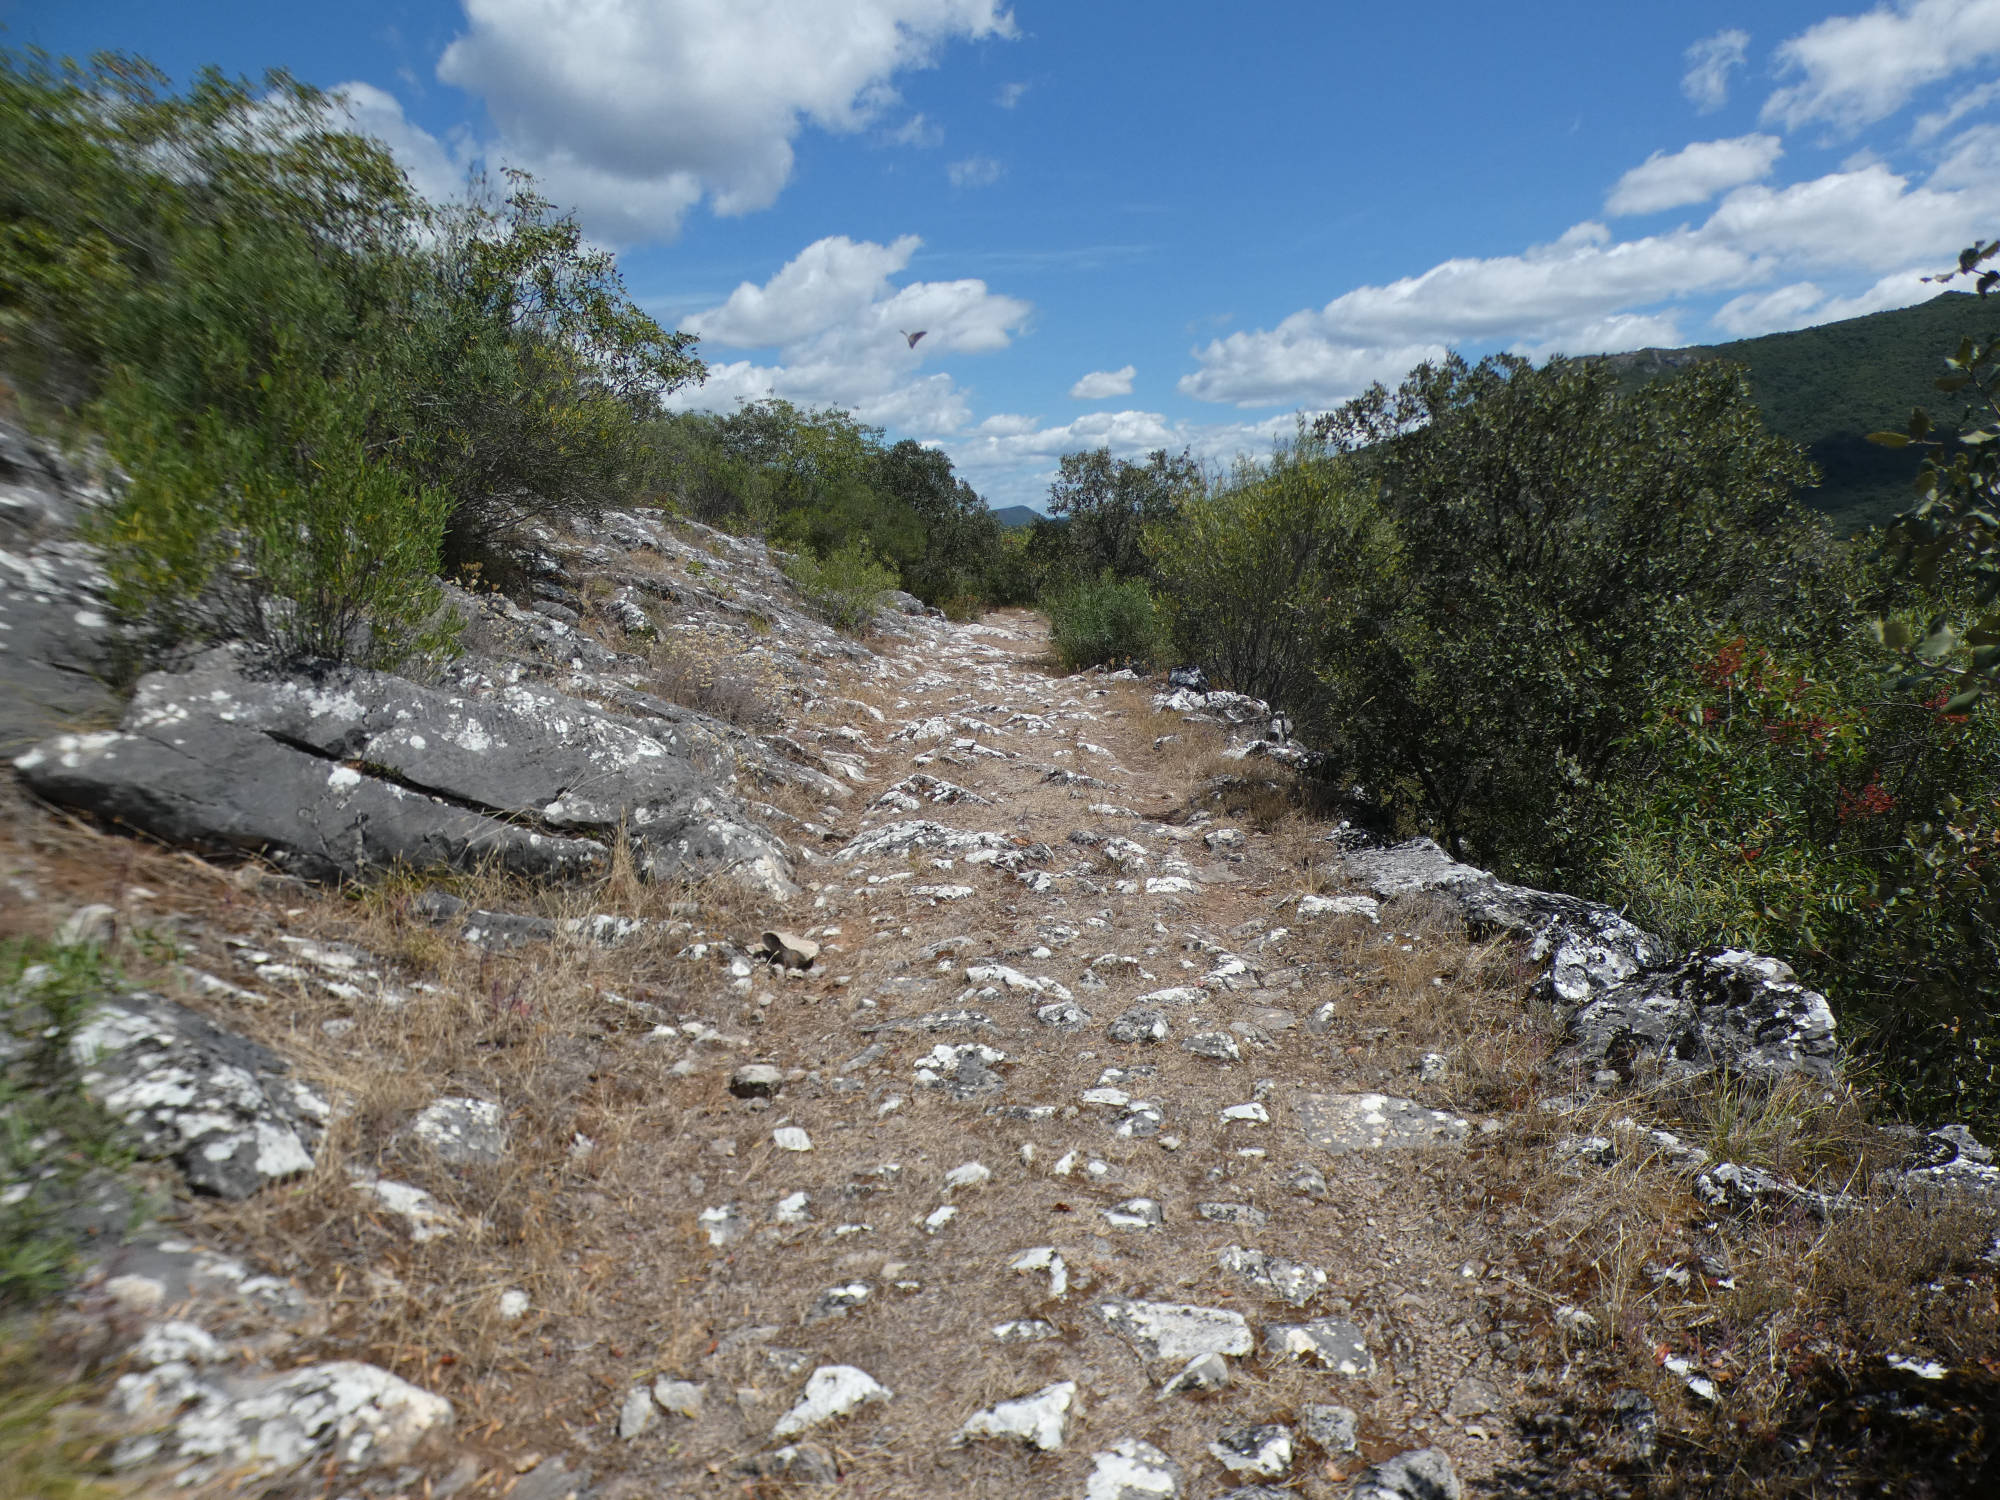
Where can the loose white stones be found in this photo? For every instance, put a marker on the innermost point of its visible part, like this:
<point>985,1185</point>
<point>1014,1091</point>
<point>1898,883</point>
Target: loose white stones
<point>1264,1452</point>
<point>971,1174</point>
<point>1339,906</point>
<point>1205,1372</point>
<point>637,1414</point>
<point>1340,1123</point>
<point>724,1226</point>
<point>1177,1332</point>
<point>832,1391</point>
<point>682,1398</point>
<point>1286,1280</point>
<point>1132,1470</point>
<point>1328,1342</point>
<point>1252,1113</point>
<point>1043,1258</point>
<point>1134,1213</point>
<point>1014,979</point>
<point>1039,1420</point>
<point>791,1138</point>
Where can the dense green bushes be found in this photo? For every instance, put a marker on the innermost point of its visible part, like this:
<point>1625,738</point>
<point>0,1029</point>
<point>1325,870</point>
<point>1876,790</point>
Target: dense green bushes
<point>1802,806</point>
<point>1264,576</point>
<point>819,481</point>
<point>321,388</point>
<point>1105,621</point>
<point>1586,639</point>
<point>1558,547</point>
<point>846,585</point>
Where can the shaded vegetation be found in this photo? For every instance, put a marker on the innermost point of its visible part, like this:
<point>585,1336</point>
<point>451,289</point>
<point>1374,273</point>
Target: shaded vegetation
<point>1827,388</point>
<point>1586,637</point>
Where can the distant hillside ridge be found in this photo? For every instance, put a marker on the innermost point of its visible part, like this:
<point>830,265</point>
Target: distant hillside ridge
<point>1012,516</point>
<point>1827,388</point>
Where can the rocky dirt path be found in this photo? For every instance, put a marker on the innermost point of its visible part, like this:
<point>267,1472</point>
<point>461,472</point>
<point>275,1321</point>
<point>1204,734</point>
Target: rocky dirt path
<point>1085,1162</point>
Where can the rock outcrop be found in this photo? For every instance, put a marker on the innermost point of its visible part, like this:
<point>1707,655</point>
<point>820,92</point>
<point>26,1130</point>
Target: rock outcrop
<point>1629,998</point>
<point>224,1109</point>
<point>346,771</point>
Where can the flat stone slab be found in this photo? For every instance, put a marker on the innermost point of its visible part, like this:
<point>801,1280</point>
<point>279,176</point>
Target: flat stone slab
<point>1132,1470</point>
<point>1340,1123</point>
<point>1175,1332</point>
<point>1328,1342</point>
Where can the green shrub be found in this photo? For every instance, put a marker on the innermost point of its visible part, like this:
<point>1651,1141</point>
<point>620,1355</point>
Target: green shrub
<point>320,387</point>
<point>1261,577</point>
<point>254,503</point>
<point>1800,807</point>
<point>846,586</point>
<point>51,1135</point>
<point>1108,622</point>
<point>1559,549</point>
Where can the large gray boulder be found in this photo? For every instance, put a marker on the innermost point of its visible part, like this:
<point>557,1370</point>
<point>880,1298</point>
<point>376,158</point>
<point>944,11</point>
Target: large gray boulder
<point>1723,1009</point>
<point>340,771</point>
<point>224,1109</point>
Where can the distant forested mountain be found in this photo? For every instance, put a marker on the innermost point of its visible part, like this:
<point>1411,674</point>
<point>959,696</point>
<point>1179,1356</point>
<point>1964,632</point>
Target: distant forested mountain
<point>1827,388</point>
<point>1011,516</point>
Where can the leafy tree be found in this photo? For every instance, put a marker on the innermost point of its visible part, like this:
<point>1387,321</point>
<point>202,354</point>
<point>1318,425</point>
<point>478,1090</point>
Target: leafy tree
<point>1560,548</point>
<point>961,536</point>
<point>1261,577</point>
<point>1109,502</point>
<point>1954,528</point>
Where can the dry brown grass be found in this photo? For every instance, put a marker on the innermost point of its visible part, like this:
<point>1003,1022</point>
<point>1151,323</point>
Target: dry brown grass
<point>624,1284</point>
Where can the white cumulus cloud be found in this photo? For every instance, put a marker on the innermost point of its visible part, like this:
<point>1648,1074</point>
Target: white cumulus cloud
<point>841,327</point>
<point>1693,174</point>
<point>831,281</point>
<point>1100,384</point>
<point>1850,71</point>
<point>1590,293</point>
<point>1755,313</point>
<point>636,110</point>
<point>1709,61</point>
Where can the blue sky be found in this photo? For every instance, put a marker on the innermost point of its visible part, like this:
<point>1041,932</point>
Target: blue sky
<point>1161,224</point>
